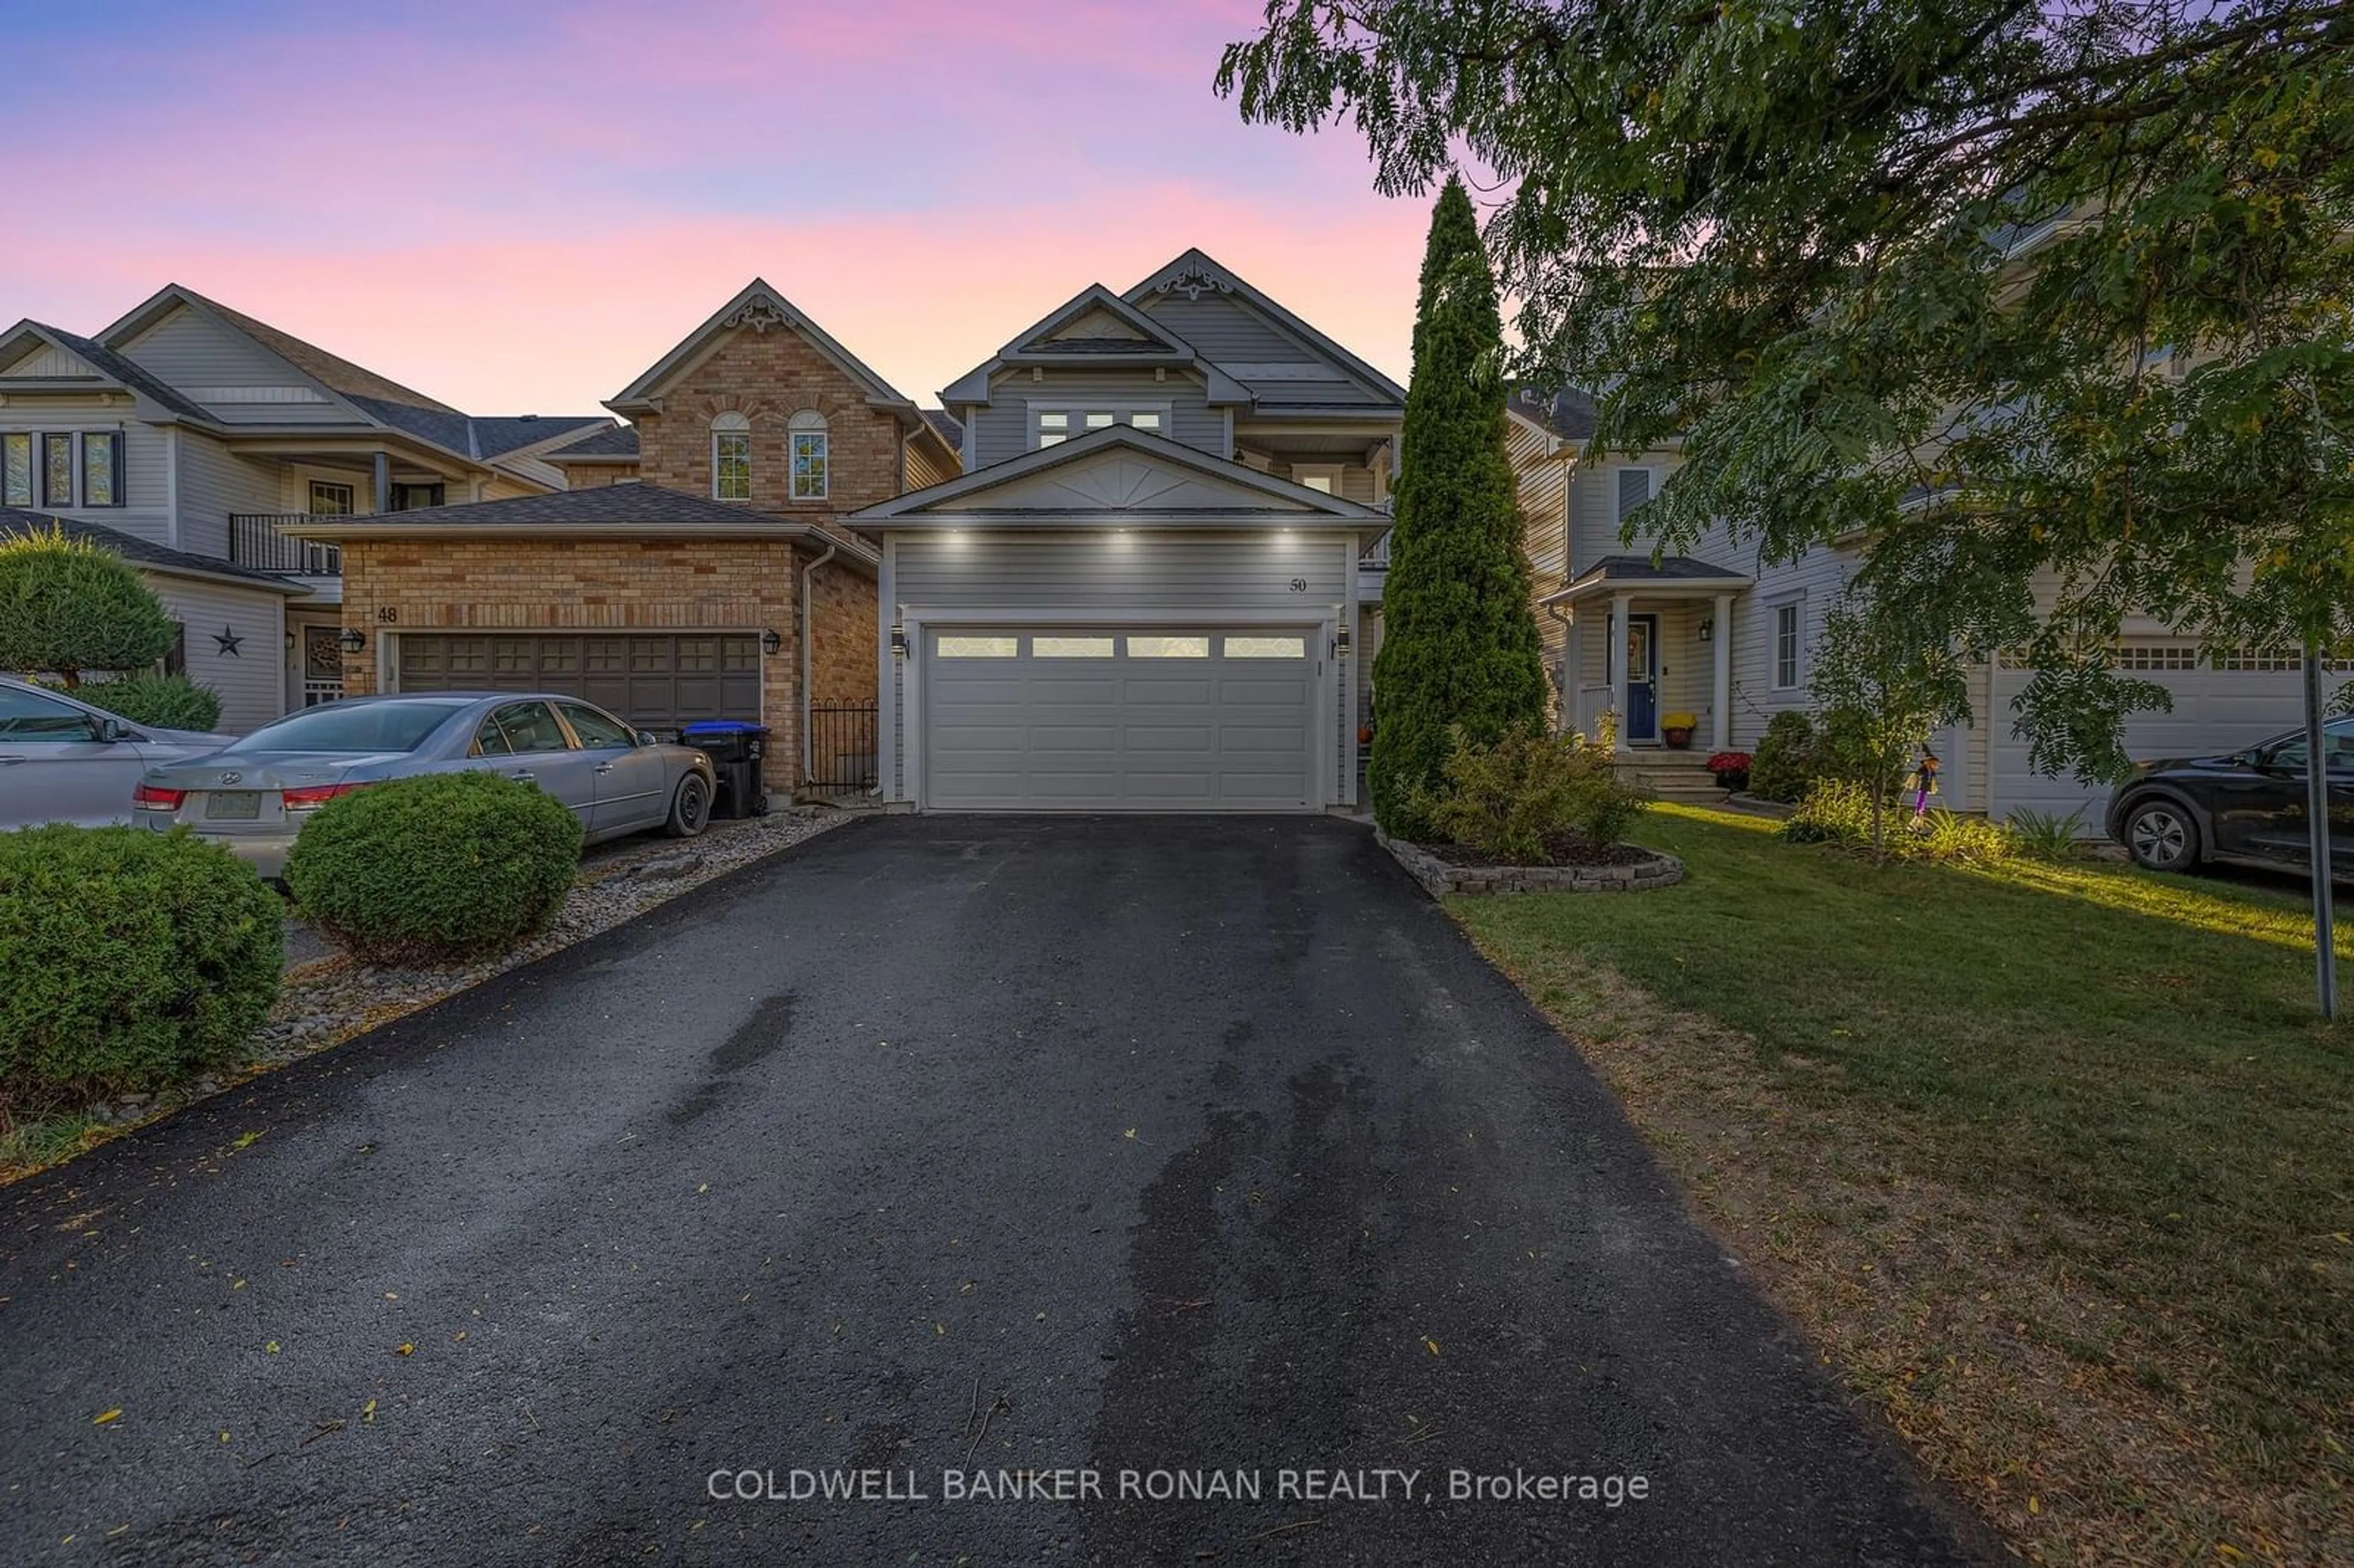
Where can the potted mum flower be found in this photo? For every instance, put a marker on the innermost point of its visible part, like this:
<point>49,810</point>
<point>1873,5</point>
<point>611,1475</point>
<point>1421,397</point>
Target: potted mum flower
<point>1731,767</point>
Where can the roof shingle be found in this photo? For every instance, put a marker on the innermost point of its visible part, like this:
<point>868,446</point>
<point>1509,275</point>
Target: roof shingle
<point>16,522</point>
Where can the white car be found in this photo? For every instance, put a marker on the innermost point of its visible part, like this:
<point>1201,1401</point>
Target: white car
<point>62,761</point>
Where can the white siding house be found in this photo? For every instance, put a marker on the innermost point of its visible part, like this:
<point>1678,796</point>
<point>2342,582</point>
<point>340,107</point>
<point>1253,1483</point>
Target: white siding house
<point>1147,593</point>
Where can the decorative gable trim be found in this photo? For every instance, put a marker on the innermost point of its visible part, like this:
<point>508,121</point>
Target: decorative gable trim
<point>761,310</point>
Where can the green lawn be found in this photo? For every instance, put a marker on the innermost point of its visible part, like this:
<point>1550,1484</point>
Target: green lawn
<point>2054,1161</point>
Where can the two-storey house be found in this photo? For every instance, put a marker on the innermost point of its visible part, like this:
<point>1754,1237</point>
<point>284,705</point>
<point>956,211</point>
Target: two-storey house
<point>695,571</point>
<point>1730,638</point>
<point>187,435</point>
<point>1149,588</point>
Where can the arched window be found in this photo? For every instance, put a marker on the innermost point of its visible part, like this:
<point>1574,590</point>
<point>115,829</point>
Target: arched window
<point>808,428</point>
<point>731,457</point>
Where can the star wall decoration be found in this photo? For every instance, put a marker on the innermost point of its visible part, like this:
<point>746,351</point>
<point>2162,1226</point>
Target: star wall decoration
<point>228,640</point>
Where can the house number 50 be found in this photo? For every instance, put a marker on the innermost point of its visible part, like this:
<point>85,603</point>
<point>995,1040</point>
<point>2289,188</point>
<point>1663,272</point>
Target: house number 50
<point>1299,585</point>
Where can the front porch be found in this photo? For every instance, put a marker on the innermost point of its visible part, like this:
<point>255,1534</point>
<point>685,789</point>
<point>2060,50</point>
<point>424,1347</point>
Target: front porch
<point>1649,641</point>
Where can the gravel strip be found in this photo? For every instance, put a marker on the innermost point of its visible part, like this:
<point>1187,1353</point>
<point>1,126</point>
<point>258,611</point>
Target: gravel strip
<point>328,1001</point>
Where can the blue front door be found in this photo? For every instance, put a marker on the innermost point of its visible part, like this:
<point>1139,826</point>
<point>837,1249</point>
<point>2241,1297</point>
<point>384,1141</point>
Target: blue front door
<point>1642,678</point>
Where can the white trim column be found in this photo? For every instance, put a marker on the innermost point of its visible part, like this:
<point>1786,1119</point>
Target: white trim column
<point>1720,713</point>
<point>1622,609</point>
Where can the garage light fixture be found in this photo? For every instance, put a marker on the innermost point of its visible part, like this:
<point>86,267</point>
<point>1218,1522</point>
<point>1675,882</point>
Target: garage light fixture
<point>353,639</point>
<point>1341,643</point>
<point>770,642</point>
<point>1708,629</point>
<point>899,639</point>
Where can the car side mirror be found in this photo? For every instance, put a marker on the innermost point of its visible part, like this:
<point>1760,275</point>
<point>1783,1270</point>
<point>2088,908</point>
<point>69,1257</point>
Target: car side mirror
<point>647,737</point>
<point>113,732</point>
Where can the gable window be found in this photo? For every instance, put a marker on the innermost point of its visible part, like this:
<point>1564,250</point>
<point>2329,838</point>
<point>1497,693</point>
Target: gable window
<point>1051,426</point>
<point>57,470</point>
<point>731,457</point>
<point>15,470</point>
<point>1319,476</point>
<point>1786,618</point>
<point>330,500</point>
<point>808,430</point>
<point>102,467</point>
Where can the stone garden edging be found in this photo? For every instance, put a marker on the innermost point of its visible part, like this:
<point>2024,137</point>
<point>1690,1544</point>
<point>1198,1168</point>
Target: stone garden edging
<point>1440,879</point>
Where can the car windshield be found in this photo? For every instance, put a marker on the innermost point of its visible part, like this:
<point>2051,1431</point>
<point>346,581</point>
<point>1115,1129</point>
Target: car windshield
<point>399,725</point>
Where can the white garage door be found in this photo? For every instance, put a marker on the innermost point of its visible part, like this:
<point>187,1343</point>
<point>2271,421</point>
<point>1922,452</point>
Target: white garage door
<point>2254,697</point>
<point>1120,719</point>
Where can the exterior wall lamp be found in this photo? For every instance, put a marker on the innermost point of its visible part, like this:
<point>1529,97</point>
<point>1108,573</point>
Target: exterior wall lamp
<point>898,640</point>
<point>770,642</point>
<point>1708,629</point>
<point>1340,642</point>
<point>353,639</point>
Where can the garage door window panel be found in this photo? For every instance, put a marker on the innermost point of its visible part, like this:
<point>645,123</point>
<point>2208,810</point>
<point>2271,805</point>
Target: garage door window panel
<point>1267,648</point>
<point>1075,646</point>
<point>980,647</point>
<point>1183,647</point>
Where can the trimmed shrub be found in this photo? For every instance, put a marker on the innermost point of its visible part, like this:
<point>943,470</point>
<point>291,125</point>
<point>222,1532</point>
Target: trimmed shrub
<point>1511,798</point>
<point>129,960</point>
<point>1783,765</point>
<point>67,605</point>
<point>442,867</point>
<point>163,701</point>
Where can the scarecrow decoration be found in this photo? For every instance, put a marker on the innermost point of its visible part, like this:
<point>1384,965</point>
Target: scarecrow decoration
<point>1922,783</point>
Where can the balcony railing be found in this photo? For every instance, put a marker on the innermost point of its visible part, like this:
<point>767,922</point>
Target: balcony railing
<point>254,541</point>
<point>1376,556</point>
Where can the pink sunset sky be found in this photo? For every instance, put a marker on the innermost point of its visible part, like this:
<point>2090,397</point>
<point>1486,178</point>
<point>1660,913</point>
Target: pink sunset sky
<point>518,208</point>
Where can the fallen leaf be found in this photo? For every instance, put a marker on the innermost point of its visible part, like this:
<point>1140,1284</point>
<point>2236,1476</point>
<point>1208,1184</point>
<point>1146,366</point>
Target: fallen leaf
<point>271,1347</point>
<point>404,1349</point>
<point>1129,1133</point>
<point>705,1188</point>
<point>244,1141</point>
<point>105,1417</point>
<point>1430,1344</point>
<point>367,1413</point>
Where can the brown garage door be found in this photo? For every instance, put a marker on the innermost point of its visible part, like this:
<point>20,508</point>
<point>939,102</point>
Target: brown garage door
<point>655,681</point>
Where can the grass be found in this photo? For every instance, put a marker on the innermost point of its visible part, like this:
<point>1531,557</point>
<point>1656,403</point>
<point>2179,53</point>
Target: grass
<point>2053,1162</point>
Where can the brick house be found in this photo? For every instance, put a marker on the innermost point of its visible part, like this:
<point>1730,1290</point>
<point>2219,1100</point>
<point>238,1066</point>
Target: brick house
<point>698,568</point>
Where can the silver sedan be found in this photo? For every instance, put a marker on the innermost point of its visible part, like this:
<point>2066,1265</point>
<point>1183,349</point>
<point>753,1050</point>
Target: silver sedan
<point>62,761</point>
<point>256,796</point>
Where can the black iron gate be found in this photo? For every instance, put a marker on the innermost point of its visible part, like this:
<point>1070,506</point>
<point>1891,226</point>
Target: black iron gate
<point>842,747</point>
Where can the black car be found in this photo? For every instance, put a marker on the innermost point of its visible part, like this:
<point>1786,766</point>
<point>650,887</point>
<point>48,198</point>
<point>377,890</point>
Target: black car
<point>2246,805</point>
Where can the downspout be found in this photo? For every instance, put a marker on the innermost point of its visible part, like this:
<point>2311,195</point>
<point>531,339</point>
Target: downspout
<point>807,573</point>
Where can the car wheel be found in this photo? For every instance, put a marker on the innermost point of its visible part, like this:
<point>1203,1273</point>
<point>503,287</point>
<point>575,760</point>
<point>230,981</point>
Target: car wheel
<point>2161,835</point>
<point>690,808</point>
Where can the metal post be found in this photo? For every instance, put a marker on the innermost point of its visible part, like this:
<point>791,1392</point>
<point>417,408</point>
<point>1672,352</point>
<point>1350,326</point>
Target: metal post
<point>2316,807</point>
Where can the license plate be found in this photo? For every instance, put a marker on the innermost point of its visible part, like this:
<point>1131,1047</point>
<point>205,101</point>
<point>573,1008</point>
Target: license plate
<point>232,805</point>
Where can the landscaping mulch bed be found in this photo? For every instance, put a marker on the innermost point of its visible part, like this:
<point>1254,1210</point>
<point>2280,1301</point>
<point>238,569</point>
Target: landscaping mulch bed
<point>1562,849</point>
<point>324,1002</point>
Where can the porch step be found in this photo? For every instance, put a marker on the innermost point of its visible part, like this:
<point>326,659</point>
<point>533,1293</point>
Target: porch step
<point>1678,780</point>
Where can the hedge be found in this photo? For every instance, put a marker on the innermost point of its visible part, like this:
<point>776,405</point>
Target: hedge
<point>442,867</point>
<point>129,960</point>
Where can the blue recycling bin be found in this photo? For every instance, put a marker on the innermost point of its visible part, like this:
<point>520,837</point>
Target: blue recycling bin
<point>735,747</point>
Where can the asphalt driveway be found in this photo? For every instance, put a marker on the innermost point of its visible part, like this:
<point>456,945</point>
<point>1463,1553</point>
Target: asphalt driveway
<point>1205,1150</point>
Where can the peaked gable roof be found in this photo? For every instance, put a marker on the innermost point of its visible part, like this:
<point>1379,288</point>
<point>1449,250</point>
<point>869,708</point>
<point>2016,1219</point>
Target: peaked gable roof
<point>1094,324</point>
<point>762,309</point>
<point>1118,472</point>
<point>608,443</point>
<point>1196,272</point>
<point>105,364</point>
